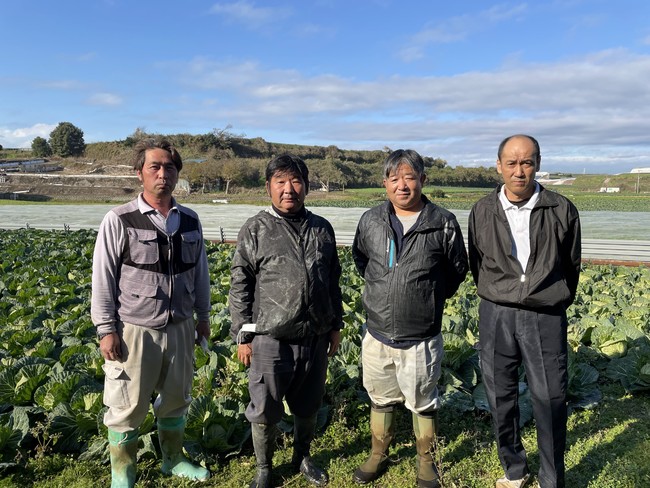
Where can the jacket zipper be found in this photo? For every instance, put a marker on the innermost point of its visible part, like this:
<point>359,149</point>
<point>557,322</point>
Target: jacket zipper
<point>301,245</point>
<point>170,266</point>
<point>391,246</point>
<point>392,266</point>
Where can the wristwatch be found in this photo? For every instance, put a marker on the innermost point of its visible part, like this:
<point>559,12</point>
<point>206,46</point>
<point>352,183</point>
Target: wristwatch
<point>101,336</point>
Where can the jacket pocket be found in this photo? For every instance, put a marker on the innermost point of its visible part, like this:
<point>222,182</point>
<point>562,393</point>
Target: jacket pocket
<point>139,299</point>
<point>116,392</point>
<point>143,245</point>
<point>191,243</point>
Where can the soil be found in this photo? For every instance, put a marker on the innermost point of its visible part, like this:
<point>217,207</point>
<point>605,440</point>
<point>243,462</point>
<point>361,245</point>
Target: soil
<point>82,181</point>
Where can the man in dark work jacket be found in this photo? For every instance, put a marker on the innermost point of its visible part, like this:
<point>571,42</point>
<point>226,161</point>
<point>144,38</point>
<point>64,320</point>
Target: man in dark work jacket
<point>524,251</point>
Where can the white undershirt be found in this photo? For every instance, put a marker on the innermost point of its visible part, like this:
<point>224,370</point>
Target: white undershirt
<point>519,221</point>
<point>408,221</point>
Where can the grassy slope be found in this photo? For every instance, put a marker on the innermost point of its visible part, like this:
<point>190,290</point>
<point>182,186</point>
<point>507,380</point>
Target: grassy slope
<point>607,447</point>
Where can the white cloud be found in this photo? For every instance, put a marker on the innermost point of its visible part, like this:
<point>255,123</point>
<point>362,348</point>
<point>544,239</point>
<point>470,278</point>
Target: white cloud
<point>612,80</point>
<point>588,106</point>
<point>457,29</point>
<point>105,99</point>
<point>248,14</point>
<point>23,136</point>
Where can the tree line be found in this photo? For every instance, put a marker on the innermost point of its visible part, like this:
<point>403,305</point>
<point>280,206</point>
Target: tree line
<point>221,160</point>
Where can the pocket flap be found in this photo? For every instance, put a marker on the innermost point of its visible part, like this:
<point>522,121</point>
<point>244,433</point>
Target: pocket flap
<point>138,289</point>
<point>112,371</point>
<point>142,235</point>
<point>191,236</point>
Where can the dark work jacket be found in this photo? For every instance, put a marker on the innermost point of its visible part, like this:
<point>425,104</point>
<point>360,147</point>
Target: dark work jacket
<point>404,298</point>
<point>551,276</point>
<point>285,282</point>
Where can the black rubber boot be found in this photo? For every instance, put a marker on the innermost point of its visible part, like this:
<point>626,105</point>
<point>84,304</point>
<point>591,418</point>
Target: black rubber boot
<point>264,444</point>
<point>303,433</point>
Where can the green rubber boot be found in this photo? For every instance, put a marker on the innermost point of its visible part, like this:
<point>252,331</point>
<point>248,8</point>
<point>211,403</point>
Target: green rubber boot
<point>123,448</point>
<point>382,430</point>
<point>170,434</point>
<point>426,430</point>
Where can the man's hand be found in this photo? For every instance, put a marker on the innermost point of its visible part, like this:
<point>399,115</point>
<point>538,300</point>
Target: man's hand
<point>335,340</point>
<point>245,353</point>
<point>111,347</point>
<point>202,330</point>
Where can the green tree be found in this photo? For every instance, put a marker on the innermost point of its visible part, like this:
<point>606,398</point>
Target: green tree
<point>237,171</point>
<point>430,162</point>
<point>67,140</point>
<point>203,175</point>
<point>326,172</point>
<point>40,148</point>
<point>138,133</point>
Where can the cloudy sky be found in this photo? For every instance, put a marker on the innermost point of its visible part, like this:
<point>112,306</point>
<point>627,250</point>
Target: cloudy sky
<point>449,79</point>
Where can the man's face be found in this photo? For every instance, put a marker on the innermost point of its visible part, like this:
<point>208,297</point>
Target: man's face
<point>404,189</point>
<point>518,165</point>
<point>287,192</point>
<point>158,175</point>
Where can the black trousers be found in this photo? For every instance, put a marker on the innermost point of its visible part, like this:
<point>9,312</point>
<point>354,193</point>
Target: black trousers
<point>291,370</point>
<point>509,337</point>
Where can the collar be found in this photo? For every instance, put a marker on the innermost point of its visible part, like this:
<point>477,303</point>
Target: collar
<point>508,205</point>
<point>299,215</point>
<point>145,208</point>
<point>272,211</point>
<point>391,208</point>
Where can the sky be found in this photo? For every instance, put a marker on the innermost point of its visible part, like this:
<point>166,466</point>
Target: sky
<point>449,79</point>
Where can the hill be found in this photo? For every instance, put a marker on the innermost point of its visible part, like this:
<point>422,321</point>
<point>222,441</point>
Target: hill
<point>224,163</point>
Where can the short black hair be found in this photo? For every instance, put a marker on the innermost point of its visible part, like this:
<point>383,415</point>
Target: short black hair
<point>288,163</point>
<point>532,139</point>
<point>403,156</point>
<point>143,145</point>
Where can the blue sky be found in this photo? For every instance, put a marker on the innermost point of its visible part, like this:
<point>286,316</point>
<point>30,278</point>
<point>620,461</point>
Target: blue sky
<point>449,79</point>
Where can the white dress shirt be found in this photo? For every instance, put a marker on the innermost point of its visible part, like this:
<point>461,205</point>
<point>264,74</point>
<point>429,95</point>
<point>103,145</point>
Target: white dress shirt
<point>519,221</point>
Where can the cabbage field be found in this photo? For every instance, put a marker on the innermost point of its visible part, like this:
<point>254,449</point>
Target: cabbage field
<point>50,366</point>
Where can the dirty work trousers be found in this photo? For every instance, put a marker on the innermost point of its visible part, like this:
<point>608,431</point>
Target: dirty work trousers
<point>282,369</point>
<point>403,376</point>
<point>160,360</point>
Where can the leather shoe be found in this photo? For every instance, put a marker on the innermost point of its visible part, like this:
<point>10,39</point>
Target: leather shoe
<point>507,483</point>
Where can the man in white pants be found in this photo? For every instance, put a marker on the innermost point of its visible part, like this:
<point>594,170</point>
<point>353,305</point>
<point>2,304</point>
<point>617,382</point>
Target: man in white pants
<point>412,256</point>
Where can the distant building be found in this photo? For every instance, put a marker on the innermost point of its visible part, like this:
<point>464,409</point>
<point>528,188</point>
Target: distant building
<point>640,170</point>
<point>610,189</point>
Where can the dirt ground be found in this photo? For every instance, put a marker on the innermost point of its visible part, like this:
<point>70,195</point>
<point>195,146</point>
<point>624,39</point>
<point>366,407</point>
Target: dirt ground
<point>81,181</point>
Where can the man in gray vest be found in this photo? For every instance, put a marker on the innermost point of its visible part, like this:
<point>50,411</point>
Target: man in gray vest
<point>150,275</point>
